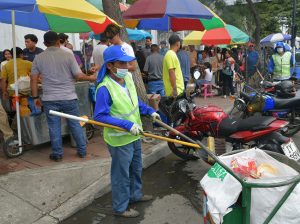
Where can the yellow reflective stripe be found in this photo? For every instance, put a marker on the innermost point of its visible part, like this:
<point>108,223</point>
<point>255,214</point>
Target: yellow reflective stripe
<point>117,133</point>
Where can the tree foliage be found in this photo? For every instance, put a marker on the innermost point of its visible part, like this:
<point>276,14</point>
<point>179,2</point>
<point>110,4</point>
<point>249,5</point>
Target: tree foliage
<point>273,15</point>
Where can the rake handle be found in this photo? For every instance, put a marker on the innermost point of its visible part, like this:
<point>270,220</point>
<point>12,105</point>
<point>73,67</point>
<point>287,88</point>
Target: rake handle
<point>86,120</point>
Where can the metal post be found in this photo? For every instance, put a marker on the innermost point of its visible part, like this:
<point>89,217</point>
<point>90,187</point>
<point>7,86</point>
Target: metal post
<point>246,204</point>
<point>84,56</point>
<point>13,23</point>
<point>294,32</point>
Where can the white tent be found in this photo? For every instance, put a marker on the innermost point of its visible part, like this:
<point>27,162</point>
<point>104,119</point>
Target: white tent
<point>6,37</point>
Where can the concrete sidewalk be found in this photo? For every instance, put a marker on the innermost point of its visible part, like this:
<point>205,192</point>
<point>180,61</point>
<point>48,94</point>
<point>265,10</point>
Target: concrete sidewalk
<point>37,190</point>
<point>34,189</point>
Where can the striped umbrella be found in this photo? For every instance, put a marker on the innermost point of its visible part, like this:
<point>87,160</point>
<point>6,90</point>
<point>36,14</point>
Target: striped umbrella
<point>171,15</point>
<point>69,16</point>
<point>98,4</point>
<point>136,35</point>
<point>176,24</point>
<point>227,35</point>
<point>273,38</point>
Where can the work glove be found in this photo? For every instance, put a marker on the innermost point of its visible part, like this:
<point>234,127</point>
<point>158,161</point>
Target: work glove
<point>136,130</point>
<point>155,116</point>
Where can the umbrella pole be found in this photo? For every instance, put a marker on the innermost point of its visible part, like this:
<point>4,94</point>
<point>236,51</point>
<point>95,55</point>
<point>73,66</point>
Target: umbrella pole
<point>16,78</point>
<point>84,55</point>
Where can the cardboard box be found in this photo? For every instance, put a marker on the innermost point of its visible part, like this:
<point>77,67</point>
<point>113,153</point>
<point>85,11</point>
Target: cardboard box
<point>154,100</point>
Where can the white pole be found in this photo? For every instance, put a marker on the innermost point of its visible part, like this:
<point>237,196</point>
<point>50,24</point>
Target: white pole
<point>154,36</point>
<point>84,56</point>
<point>60,114</point>
<point>13,23</point>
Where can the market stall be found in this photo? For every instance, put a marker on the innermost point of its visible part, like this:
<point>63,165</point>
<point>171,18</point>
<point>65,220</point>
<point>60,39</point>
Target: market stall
<point>33,121</point>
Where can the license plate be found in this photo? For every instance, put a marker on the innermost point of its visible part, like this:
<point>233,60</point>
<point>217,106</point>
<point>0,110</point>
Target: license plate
<point>291,150</point>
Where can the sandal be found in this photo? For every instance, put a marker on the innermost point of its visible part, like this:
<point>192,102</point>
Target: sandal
<point>131,213</point>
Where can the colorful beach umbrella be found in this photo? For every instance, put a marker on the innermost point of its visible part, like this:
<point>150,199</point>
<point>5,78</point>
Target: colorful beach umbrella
<point>227,35</point>
<point>98,4</point>
<point>18,5</point>
<point>69,16</point>
<point>170,15</point>
<point>133,34</point>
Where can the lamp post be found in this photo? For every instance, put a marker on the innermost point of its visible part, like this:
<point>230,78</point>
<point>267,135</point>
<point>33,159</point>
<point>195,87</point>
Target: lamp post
<point>294,33</point>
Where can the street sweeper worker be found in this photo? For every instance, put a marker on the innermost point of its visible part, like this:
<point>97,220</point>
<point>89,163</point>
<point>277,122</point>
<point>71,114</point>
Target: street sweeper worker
<point>117,104</point>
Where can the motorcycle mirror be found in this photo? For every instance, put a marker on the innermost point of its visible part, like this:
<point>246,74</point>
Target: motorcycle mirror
<point>197,74</point>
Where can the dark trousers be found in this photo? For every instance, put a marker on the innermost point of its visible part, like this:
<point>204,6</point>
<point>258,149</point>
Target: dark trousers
<point>227,84</point>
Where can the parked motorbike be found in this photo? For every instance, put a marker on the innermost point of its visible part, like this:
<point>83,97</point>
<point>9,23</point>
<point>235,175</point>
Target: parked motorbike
<point>254,102</point>
<point>200,122</point>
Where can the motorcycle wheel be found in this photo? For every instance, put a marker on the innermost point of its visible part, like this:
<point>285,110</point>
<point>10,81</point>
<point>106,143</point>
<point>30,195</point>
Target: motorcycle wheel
<point>11,148</point>
<point>183,152</point>
<point>90,131</point>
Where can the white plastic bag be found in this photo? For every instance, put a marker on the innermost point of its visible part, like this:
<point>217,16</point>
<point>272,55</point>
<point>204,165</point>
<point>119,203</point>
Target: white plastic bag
<point>23,83</point>
<point>222,191</point>
<point>221,194</point>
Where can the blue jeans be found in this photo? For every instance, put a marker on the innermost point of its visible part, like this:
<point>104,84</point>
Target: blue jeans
<point>156,87</point>
<point>126,174</point>
<point>201,82</point>
<point>54,124</point>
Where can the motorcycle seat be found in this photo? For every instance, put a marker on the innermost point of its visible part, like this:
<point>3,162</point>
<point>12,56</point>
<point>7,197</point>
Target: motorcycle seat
<point>281,103</point>
<point>231,125</point>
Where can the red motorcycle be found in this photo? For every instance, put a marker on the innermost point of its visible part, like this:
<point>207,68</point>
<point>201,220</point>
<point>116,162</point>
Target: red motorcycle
<point>200,122</point>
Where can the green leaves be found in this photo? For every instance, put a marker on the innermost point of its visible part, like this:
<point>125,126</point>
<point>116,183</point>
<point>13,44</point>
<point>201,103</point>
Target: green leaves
<point>273,15</point>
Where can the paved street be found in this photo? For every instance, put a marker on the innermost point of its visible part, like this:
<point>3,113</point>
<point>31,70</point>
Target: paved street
<point>174,184</point>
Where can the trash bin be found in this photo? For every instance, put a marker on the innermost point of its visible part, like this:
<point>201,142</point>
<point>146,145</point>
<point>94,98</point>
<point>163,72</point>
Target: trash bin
<point>240,213</point>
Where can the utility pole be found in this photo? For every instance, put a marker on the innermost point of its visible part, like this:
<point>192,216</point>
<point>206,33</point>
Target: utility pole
<point>294,32</point>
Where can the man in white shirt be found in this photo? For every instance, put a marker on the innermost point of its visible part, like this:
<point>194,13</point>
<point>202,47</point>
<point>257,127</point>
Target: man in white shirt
<point>113,34</point>
<point>98,51</point>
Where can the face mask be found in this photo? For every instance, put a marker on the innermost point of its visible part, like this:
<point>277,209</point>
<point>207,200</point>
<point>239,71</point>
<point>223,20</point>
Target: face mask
<point>121,72</point>
<point>279,50</point>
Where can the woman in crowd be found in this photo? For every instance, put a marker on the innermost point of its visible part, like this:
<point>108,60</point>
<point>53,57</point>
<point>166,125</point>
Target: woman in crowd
<point>228,72</point>
<point>220,57</point>
<point>6,56</point>
<point>213,60</point>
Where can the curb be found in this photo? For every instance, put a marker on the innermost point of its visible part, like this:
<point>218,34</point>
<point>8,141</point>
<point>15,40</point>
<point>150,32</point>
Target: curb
<point>44,195</point>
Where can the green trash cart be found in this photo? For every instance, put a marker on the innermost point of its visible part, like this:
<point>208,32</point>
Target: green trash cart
<point>240,213</point>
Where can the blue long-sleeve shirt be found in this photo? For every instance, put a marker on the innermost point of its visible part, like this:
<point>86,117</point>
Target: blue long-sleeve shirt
<point>102,110</point>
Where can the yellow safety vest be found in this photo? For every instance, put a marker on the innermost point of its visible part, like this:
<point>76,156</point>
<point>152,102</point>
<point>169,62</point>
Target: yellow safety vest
<point>123,107</point>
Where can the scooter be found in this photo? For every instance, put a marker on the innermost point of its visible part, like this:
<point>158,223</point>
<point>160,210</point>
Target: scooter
<point>200,122</point>
<point>288,109</point>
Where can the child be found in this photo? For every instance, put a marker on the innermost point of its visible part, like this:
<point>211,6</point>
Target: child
<point>208,74</point>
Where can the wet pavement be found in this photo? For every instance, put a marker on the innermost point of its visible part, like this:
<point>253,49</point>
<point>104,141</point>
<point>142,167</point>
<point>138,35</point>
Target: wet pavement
<point>175,186</point>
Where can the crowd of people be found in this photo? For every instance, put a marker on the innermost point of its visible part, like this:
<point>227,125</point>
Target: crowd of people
<point>219,67</point>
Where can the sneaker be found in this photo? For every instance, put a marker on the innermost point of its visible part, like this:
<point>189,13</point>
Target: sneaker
<point>81,155</point>
<point>224,96</point>
<point>55,158</point>
<point>131,213</point>
<point>144,198</point>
